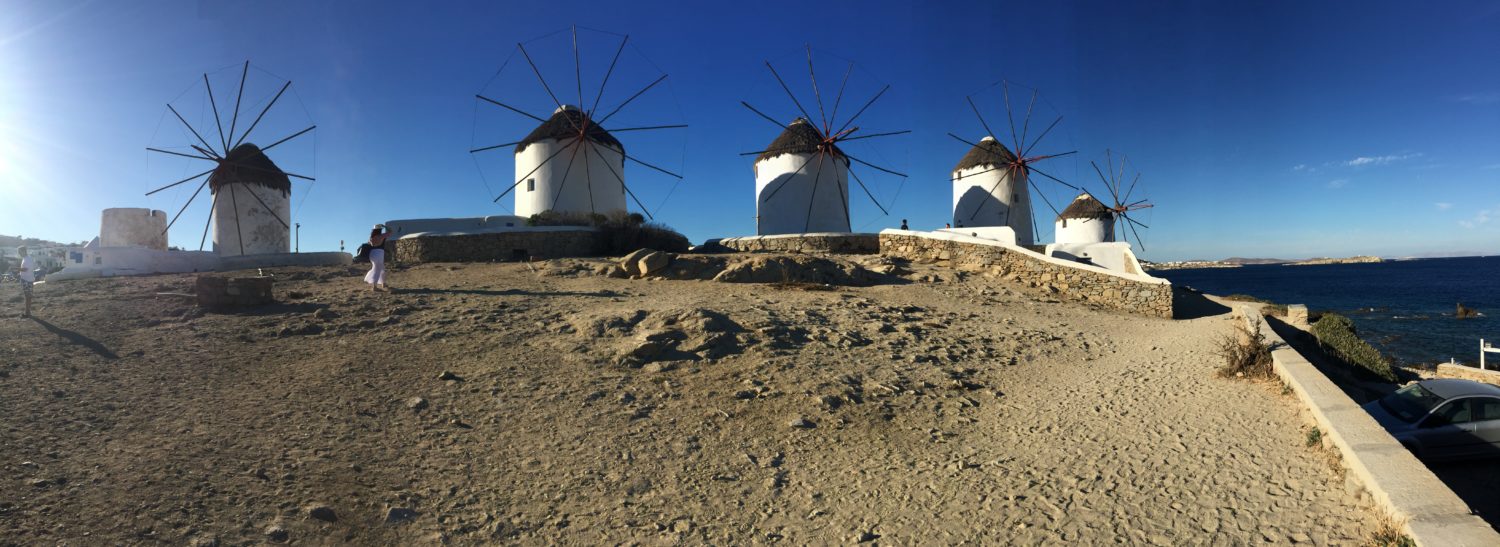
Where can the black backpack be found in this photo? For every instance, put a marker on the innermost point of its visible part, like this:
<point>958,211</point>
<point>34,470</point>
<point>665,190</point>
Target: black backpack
<point>364,253</point>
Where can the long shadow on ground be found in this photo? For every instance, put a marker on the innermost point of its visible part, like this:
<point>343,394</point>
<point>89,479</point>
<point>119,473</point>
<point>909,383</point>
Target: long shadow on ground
<point>77,339</point>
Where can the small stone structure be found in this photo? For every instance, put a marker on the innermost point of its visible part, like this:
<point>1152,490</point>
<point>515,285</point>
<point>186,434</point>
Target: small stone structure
<point>1141,294</point>
<point>824,242</point>
<point>539,242</point>
<point>215,291</point>
<point>1445,370</point>
<point>1296,316</point>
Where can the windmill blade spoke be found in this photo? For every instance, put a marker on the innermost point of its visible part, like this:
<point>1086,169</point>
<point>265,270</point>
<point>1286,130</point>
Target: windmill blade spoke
<point>789,93</point>
<point>1110,161</point>
<point>263,112</point>
<point>473,150</point>
<point>184,206</point>
<point>578,144</point>
<point>628,192</point>
<point>985,124</point>
<point>510,108</point>
<point>986,202</point>
<point>844,200</point>
<point>833,117</point>
<point>793,175</point>
<point>1137,205</point>
<point>1040,172</point>
<point>1101,173</point>
<point>632,98</point>
<point>873,166</point>
<point>577,67</point>
<point>539,77</point>
<point>868,193</point>
<point>1035,159</point>
<point>180,182</point>
<point>237,98</point>
<point>763,115</point>
<point>1042,136</point>
<point>209,222</point>
<point>961,139</point>
<point>1013,135</point>
<point>1131,190</point>
<point>1120,180</point>
<point>528,174</point>
<point>294,135</point>
<point>215,105</point>
<point>1137,234</point>
<point>190,128</point>
<point>1135,222</point>
<point>268,208</point>
<point>863,108</point>
<point>634,159</point>
<point>607,73</point>
<point>264,170</point>
<point>238,232</point>
<point>648,128</point>
<point>817,94</point>
<point>180,154</point>
<point>811,199</point>
<point>1055,213</point>
<point>1006,166</point>
<point>873,135</point>
<point>1027,123</point>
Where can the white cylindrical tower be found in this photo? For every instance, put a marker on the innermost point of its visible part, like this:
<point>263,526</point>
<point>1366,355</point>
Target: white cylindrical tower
<point>987,192</point>
<point>132,227</point>
<point>1086,220</point>
<point>252,205</point>
<point>801,184</point>
<point>583,176</point>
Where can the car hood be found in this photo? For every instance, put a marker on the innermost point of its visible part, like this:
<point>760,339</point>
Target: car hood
<point>1386,420</point>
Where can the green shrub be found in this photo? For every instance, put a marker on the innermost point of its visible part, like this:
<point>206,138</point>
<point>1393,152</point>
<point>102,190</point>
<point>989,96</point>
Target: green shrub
<point>1337,337</point>
<point>1314,437</point>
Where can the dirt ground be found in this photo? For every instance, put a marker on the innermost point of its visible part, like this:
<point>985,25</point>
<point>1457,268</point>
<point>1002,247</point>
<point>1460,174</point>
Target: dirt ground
<point>543,404</point>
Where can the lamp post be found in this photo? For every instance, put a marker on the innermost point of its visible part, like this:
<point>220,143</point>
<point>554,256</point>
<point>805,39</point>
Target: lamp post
<point>298,248</point>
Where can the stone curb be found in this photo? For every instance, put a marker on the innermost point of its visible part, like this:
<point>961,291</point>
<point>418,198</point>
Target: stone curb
<point>1431,514</point>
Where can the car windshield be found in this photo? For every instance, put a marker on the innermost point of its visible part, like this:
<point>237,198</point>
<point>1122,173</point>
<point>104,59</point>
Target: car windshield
<point>1410,403</point>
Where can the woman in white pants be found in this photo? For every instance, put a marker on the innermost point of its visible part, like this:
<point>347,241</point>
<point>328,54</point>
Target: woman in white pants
<point>376,277</point>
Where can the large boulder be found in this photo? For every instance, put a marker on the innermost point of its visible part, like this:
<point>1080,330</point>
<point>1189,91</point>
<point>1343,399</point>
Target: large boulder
<point>631,262</point>
<point>653,262</point>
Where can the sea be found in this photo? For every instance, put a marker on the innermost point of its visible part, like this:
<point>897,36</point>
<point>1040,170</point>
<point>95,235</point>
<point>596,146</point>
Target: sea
<point>1405,308</point>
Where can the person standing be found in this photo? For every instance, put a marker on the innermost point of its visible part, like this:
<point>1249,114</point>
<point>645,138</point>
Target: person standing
<point>903,224</point>
<point>376,277</point>
<point>28,277</point>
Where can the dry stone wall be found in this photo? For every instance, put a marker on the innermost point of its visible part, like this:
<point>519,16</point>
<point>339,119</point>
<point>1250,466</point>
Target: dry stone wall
<point>1077,283</point>
<point>834,243</point>
<point>498,246</point>
<point>1490,376</point>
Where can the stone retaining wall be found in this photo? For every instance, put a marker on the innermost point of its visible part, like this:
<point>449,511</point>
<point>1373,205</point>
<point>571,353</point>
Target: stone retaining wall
<point>1490,376</point>
<point>215,291</point>
<point>1429,512</point>
<point>831,242</point>
<point>1077,282</point>
<point>496,246</point>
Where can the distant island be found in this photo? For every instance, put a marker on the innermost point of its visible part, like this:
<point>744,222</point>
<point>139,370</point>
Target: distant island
<point>1235,262</point>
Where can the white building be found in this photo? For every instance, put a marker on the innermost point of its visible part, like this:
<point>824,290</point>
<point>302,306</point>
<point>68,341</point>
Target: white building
<point>133,227</point>
<point>252,205</point>
<point>583,176</point>
<point>797,189</point>
<point>987,193</point>
<point>1086,220</point>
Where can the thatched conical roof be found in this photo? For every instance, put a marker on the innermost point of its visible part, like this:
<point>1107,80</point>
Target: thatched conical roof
<point>799,138</point>
<point>564,124</point>
<point>246,164</point>
<point>1086,207</point>
<point>988,153</point>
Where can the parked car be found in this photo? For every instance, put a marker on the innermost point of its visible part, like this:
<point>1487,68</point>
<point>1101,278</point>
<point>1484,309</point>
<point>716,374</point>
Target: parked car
<point>1446,419</point>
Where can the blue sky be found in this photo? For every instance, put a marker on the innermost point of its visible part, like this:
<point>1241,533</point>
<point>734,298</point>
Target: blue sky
<point>1261,129</point>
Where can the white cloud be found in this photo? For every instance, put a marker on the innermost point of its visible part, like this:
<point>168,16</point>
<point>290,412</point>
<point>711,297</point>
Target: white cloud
<point>1490,97</point>
<point>1300,167</point>
<point>1480,218</point>
<point>1380,160</point>
<point>1443,205</point>
<point>1337,183</point>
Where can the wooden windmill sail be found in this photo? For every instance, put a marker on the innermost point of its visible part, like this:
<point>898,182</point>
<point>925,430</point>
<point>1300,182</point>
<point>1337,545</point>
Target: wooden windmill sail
<point>250,207</point>
<point>992,183</point>
<point>802,176</point>
<point>571,163</point>
<point>1119,205</point>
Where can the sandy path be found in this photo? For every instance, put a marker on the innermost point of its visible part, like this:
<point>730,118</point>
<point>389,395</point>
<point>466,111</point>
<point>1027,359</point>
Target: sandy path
<point>957,411</point>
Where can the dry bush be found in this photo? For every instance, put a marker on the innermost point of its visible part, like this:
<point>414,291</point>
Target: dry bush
<point>1246,353</point>
<point>1389,534</point>
<point>618,233</point>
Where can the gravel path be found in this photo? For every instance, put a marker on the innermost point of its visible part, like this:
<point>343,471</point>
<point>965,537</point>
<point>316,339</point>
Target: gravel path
<point>588,410</point>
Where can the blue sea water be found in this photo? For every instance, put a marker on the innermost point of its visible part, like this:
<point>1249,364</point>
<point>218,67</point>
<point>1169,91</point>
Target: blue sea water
<point>1405,308</point>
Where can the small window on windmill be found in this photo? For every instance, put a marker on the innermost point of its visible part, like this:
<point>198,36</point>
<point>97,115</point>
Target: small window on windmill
<point>530,185</point>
